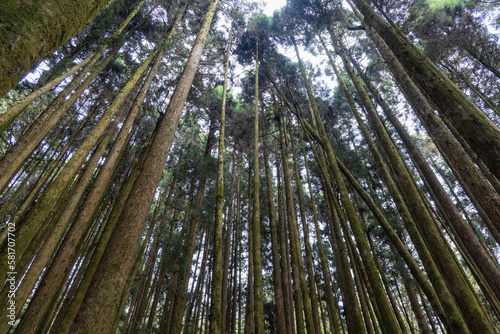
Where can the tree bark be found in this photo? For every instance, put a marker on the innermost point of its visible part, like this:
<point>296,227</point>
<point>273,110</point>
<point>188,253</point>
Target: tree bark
<point>109,281</point>
<point>474,126</point>
<point>277,279</point>
<point>219,285</point>
<point>31,31</point>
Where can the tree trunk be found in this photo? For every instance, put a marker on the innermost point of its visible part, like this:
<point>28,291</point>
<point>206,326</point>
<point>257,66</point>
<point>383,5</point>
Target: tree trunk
<point>219,285</point>
<point>474,126</point>
<point>330,301</point>
<point>453,217</point>
<point>294,242</point>
<point>309,260</point>
<point>285,269</point>
<point>457,283</point>
<point>42,209</point>
<point>109,281</point>
<point>388,322</point>
<point>277,280</point>
<point>15,156</point>
<point>8,117</point>
<point>40,29</point>
<point>257,240</point>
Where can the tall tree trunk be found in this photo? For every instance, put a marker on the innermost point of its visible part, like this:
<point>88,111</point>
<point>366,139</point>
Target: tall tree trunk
<point>330,301</point>
<point>11,114</point>
<point>475,127</point>
<point>32,268</point>
<point>42,209</point>
<point>229,239</point>
<point>67,314</point>
<point>108,282</point>
<point>249,303</point>
<point>294,242</point>
<point>59,267</point>
<point>16,155</point>
<point>388,322</point>
<point>179,283</point>
<point>305,229</point>
<point>218,307</point>
<point>453,217</point>
<point>417,310</point>
<point>474,180</point>
<point>257,240</point>
<point>277,280</point>
<point>40,28</point>
<point>457,283</point>
<point>236,259</point>
<point>285,269</point>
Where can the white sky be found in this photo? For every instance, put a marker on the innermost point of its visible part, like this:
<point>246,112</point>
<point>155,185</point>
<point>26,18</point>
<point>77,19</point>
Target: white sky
<point>272,5</point>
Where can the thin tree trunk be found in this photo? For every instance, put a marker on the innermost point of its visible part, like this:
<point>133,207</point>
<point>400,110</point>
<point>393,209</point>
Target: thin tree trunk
<point>219,284</point>
<point>285,270</point>
<point>59,267</point>
<point>457,283</point>
<point>296,256</point>
<point>330,301</point>
<point>257,240</point>
<point>42,209</point>
<point>108,282</point>
<point>236,260</point>
<point>307,244</point>
<point>66,315</point>
<point>481,258</point>
<point>388,322</point>
<point>16,155</point>
<point>277,280</point>
<point>474,179</point>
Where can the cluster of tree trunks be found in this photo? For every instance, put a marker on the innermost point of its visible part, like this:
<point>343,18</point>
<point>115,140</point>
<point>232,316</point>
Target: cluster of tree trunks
<point>118,216</point>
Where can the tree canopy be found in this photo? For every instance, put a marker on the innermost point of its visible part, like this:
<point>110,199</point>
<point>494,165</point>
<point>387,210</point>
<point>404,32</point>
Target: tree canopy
<point>199,166</point>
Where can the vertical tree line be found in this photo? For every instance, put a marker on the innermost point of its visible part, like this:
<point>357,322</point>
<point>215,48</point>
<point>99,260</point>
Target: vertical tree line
<point>202,167</point>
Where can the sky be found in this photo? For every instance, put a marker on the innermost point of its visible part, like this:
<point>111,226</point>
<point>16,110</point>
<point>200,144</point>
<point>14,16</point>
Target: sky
<point>272,5</point>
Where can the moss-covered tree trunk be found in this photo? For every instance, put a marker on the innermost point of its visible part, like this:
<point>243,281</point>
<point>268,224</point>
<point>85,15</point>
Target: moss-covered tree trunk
<point>236,257</point>
<point>69,309</point>
<point>249,323</point>
<point>59,267</point>
<point>17,154</point>
<point>178,284</point>
<point>330,300</point>
<point>100,303</point>
<point>353,312</point>
<point>277,280</point>
<point>388,322</point>
<point>474,180</point>
<point>32,31</point>
<point>474,126</point>
<point>217,321</point>
<point>429,263</point>
<point>307,244</point>
<point>229,239</point>
<point>11,114</point>
<point>453,217</point>
<point>294,242</point>
<point>257,240</point>
<point>285,269</point>
<point>33,267</point>
<point>43,207</point>
<point>457,283</point>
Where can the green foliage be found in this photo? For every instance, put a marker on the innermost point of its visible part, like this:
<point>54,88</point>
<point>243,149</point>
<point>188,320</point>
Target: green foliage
<point>258,32</point>
<point>440,4</point>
